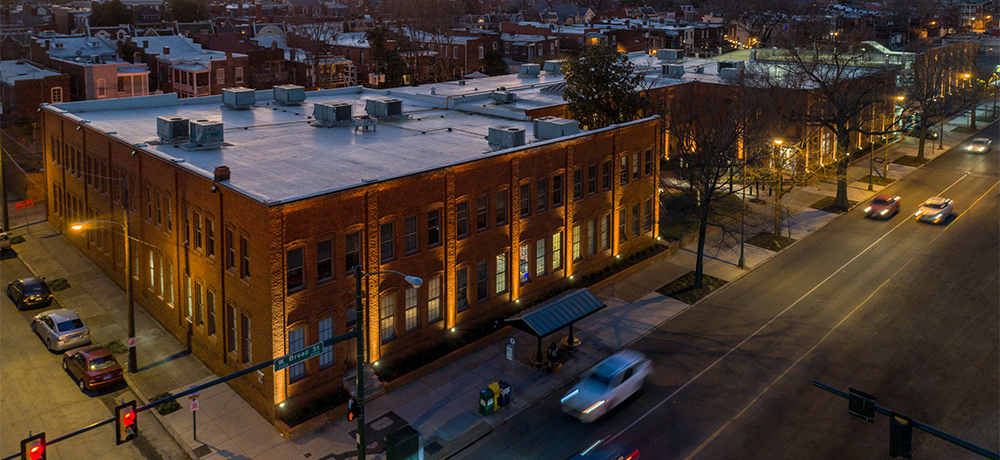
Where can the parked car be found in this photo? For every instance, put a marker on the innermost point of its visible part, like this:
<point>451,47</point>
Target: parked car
<point>29,293</point>
<point>60,329</point>
<point>92,366</point>
<point>4,240</point>
<point>915,132</point>
<point>935,210</point>
<point>607,451</point>
<point>883,207</point>
<point>606,385</point>
<point>979,145</point>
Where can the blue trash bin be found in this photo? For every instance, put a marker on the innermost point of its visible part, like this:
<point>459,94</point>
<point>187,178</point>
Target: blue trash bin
<point>505,394</point>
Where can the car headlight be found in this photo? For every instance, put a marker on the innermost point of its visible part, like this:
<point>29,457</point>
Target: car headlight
<point>883,212</point>
<point>594,406</point>
<point>917,214</point>
<point>570,395</point>
<point>868,209</point>
<point>937,216</point>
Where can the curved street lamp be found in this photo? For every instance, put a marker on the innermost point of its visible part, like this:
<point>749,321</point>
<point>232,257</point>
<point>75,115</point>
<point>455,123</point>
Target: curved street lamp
<point>359,334</point>
<point>132,366</point>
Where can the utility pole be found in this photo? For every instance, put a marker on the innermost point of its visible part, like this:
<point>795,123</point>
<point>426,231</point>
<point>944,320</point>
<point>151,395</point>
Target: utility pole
<point>359,333</point>
<point>3,193</point>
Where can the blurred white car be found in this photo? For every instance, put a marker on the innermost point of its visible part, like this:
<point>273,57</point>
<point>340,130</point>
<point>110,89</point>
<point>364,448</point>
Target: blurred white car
<point>606,385</point>
<point>935,209</point>
<point>979,144</point>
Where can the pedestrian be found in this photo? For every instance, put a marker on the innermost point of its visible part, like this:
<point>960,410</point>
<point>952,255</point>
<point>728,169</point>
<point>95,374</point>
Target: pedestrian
<point>553,358</point>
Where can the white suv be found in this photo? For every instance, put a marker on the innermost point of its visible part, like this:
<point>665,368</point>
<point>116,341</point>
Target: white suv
<point>607,385</point>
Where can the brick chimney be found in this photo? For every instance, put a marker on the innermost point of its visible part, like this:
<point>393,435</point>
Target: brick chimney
<point>145,44</point>
<point>166,51</point>
<point>259,11</point>
<point>221,173</point>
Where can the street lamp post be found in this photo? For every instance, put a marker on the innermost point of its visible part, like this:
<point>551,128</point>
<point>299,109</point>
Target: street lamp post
<point>359,334</point>
<point>743,216</point>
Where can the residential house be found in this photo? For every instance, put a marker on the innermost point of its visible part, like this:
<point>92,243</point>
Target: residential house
<point>268,66</point>
<point>178,64</point>
<point>96,70</point>
<point>23,87</point>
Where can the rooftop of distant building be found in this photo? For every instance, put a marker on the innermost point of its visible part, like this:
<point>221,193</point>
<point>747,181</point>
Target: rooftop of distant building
<point>12,71</point>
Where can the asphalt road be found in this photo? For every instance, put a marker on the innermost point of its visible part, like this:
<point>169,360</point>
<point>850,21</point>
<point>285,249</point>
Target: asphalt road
<point>906,311</point>
<point>36,394</point>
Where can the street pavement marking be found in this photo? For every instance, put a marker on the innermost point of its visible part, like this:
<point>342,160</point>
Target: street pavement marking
<point>845,318</point>
<point>781,313</point>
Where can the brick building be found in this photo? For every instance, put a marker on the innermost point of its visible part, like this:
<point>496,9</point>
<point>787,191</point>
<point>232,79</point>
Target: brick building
<point>24,87</point>
<point>179,65</point>
<point>259,264</point>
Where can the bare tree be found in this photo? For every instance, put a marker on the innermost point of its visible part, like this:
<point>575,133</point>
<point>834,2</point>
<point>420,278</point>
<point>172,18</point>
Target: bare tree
<point>430,22</point>
<point>760,19</point>
<point>314,40</point>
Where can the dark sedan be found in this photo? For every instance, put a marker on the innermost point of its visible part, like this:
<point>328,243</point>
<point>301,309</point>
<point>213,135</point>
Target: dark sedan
<point>29,293</point>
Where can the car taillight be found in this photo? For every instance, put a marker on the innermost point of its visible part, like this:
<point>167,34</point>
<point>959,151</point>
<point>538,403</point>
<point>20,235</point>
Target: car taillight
<point>633,455</point>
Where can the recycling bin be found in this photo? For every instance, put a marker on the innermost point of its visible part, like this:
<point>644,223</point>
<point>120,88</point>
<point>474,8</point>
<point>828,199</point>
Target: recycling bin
<point>505,395</point>
<point>486,402</point>
<point>403,444</point>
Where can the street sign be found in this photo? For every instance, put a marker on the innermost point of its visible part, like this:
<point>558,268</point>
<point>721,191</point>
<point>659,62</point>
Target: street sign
<point>194,405</point>
<point>24,204</point>
<point>298,356</point>
<point>131,342</point>
<point>510,352</point>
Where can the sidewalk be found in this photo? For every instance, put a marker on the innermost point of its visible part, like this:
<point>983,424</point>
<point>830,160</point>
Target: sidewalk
<point>443,405</point>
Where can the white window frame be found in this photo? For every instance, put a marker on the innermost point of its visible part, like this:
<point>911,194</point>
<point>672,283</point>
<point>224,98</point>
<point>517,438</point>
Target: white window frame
<point>411,309</point>
<point>433,299</point>
<point>296,342</point>
<point>387,312</point>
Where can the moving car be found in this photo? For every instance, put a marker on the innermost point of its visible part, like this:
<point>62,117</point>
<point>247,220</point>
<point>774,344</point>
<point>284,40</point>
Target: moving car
<point>60,329</point>
<point>93,367</point>
<point>606,385</point>
<point>29,293</point>
<point>979,145</point>
<point>915,132</point>
<point>935,210</point>
<point>607,451</point>
<point>883,207</point>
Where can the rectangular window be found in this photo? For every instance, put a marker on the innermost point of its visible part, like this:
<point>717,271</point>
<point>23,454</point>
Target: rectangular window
<point>209,237</point>
<point>556,251</point>
<point>199,305</point>
<point>481,281</point>
<point>648,163</point>
<point>606,175</point>
<point>210,310</point>
<point>606,232</point>
<point>324,260</point>
<point>296,342</point>
<point>230,249</point>
<point>591,179</point>
<point>577,184</point>
<point>149,201</point>
<point>622,220</point>
<point>540,257</point>
<point>56,95</point>
<point>635,166</point>
<point>543,194</point>
<point>635,219</point>
<point>156,201</point>
<point>433,299</point>
<point>557,191</point>
<point>231,328</point>
<point>433,228</point>
<point>152,266</point>
<point>501,281</point>
<point>501,212</point>
<point>170,282</point>
<point>168,208</point>
<point>524,276</point>
<point>482,212</point>
<point>387,309</point>
<point>647,221</point>
<point>189,301</point>
<point>592,237</point>
<point>462,288</point>
<point>576,242</point>
<point>352,251</point>
<point>462,219</point>
<point>239,75</point>
<point>196,224</point>
<point>244,257</point>
<point>623,169</point>
<point>325,333</point>
<point>293,276</point>
<point>247,349</point>
<point>525,200</point>
<point>220,76</point>
<point>411,308</point>
<point>387,234</point>
<point>410,234</point>
<point>159,264</point>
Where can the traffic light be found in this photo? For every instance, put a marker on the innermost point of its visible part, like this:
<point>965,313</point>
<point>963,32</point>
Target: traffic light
<point>125,423</point>
<point>900,436</point>
<point>33,447</point>
<point>352,409</point>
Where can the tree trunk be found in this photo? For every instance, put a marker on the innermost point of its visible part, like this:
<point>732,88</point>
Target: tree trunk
<point>923,137</point>
<point>699,265</point>
<point>972,117</point>
<point>843,147</point>
<point>777,204</point>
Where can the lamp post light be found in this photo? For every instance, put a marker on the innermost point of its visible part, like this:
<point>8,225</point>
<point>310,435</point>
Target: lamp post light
<point>359,334</point>
<point>743,216</point>
<point>132,366</point>
<point>779,166</point>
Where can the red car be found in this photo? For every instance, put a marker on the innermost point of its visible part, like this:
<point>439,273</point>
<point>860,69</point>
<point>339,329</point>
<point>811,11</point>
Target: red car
<point>92,366</point>
<point>883,207</point>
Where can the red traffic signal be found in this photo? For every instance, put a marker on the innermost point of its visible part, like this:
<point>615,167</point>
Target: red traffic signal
<point>352,409</point>
<point>33,447</point>
<point>126,426</point>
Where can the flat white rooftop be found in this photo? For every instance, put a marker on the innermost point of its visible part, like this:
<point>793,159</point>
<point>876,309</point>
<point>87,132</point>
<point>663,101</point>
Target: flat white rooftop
<point>278,153</point>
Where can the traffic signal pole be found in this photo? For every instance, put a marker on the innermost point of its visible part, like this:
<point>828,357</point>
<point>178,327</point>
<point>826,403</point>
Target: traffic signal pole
<point>359,334</point>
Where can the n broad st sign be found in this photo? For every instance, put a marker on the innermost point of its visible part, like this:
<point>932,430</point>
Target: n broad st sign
<point>298,356</point>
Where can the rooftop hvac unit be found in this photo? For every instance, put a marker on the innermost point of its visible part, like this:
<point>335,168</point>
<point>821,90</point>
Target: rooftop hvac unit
<point>333,113</point>
<point>289,94</point>
<point>502,138</point>
<point>171,129</point>
<point>384,108</point>
<point>503,97</point>
<point>730,73</point>
<point>553,127</point>
<point>669,55</point>
<point>206,133</point>
<point>554,65</point>
<point>674,70</point>
<point>730,65</point>
<point>239,98</point>
<point>530,70</point>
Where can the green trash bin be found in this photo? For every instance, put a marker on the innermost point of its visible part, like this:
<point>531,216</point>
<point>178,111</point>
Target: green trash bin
<point>403,444</point>
<point>487,404</point>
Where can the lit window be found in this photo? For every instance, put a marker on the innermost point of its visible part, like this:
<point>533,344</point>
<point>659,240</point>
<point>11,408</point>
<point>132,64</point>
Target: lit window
<point>325,333</point>
<point>411,308</point>
<point>433,299</point>
<point>387,308</point>
<point>296,342</point>
<point>501,279</point>
<point>462,288</point>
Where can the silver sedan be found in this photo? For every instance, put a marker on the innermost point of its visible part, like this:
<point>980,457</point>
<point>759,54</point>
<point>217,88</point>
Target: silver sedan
<point>61,329</point>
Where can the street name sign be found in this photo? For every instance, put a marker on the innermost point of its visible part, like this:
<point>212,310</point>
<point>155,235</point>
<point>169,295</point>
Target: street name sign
<point>298,356</point>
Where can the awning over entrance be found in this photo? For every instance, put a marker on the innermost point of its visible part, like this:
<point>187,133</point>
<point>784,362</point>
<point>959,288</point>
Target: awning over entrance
<point>556,314</point>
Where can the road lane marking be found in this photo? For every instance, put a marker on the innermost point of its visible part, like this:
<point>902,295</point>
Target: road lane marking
<point>773,319</point>
<point>845,318</point>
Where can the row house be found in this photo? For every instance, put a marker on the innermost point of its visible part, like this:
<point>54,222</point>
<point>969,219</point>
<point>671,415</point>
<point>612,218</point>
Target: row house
<point>526,48</point>
<point>461,54</point>
<point>96,71</point>
<point>23,87</point>
<point>178,64</point>
<point>268,66</point>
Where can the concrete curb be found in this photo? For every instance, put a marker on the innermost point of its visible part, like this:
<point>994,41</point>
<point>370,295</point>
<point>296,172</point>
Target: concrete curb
<point>178,439</point>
